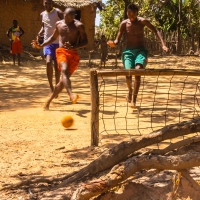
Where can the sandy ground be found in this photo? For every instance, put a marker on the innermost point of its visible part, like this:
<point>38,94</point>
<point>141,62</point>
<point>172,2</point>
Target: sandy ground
<point>33,141</point>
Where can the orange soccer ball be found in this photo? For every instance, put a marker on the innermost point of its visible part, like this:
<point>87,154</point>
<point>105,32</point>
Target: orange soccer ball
<point>111,43</point>
<point>67,121</point>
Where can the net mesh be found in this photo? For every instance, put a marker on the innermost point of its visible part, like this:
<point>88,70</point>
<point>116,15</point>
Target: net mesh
<point>162,100</point>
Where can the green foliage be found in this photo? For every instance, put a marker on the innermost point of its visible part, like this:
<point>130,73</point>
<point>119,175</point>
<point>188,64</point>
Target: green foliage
<point>111,18</point>
<point>167,18</point>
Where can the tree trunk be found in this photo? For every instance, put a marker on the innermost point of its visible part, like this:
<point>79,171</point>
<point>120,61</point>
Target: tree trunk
<point>126,169</point>
<point>192,38</point>
<point>179,45</point>
<point>126,3</point>
<point>191,34</point>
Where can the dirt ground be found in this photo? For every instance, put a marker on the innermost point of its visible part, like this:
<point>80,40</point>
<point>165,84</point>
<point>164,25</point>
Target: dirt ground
<point>33,141</point>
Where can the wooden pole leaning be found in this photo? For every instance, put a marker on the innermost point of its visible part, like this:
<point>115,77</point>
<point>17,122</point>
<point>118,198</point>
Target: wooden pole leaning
<point>94,108</point>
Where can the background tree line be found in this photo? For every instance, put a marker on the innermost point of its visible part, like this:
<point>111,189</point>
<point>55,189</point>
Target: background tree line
<point>177,18</point>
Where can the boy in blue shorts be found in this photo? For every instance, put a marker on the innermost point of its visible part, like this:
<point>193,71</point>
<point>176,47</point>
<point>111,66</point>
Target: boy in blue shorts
<point>49,18</point>
<point>135,54</point>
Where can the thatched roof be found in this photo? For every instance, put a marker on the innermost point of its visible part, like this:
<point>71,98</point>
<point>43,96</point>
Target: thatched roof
<point>75,3</point>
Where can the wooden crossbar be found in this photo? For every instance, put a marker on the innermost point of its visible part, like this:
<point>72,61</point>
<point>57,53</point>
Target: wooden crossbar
<point>148,72</point>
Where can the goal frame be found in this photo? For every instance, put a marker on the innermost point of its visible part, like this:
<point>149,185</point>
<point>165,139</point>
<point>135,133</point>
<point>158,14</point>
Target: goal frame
<point>94,89</point>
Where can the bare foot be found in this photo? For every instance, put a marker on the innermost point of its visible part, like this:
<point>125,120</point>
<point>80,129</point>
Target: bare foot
<point>46,106</point>
<point>75,98</point>
<point>133,105</point>
<point>129,97</point>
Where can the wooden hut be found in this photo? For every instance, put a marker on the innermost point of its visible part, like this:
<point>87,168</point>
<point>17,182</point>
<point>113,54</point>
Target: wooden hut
<point>27,12</point>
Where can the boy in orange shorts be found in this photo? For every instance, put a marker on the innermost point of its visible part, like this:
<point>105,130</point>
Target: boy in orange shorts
<point>16,45</point>
<point>72,36</point>
<point>71,57</point>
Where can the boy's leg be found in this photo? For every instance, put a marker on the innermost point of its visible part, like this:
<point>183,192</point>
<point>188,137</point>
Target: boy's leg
<point>14,56</point>
<point>53,54</point>
<point>19,51</point>
<point>130,90</point>
<point>19,58</point>
<point>140,63</point>
<point>13,52</point>
<point>65,78</point>
<point>128,61</point>
<point>136,86</point>
<point>59,87</point>
<point>57,72</point>
<point>101,59</point>
<point>49,71</point>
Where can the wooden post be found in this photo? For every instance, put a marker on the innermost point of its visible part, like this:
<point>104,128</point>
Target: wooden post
<point>94,108</point>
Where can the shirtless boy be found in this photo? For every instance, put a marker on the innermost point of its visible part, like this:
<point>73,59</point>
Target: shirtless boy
<point>72,36</point>
<point>135,54</point>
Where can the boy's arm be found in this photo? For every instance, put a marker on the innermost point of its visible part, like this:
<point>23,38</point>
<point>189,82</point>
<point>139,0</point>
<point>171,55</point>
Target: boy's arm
<point>157,33</point>
<point>97,44</point>
<point>52,38</point>
<point>60,13</point>
<point>8,34</point>
<point>83,37</point>
<point>41,32</point>
<point>120,32</point>
<point>22,31</point>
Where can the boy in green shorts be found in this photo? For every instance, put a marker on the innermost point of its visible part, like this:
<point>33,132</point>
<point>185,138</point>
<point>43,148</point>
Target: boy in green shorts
<point>135,54</point>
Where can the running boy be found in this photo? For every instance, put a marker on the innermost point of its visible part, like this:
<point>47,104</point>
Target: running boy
<point>135,54</point>
<point>49,18</point>
<point>72,36</point>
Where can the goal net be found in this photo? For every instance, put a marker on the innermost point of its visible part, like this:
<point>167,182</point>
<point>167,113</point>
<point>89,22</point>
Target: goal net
<point>166,96</point>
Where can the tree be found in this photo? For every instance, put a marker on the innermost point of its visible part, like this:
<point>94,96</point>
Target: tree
<point>193,15</point>
<point>111,17</point>
<point>177,16</point>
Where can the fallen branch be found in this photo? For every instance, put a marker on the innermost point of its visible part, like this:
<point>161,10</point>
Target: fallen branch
<point>126,169</point>
<point>121,151</point>
<point>173,146</point>
<point>186,174</point>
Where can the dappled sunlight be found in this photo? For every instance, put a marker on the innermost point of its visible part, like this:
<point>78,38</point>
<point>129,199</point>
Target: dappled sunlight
<point>33,142</point>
